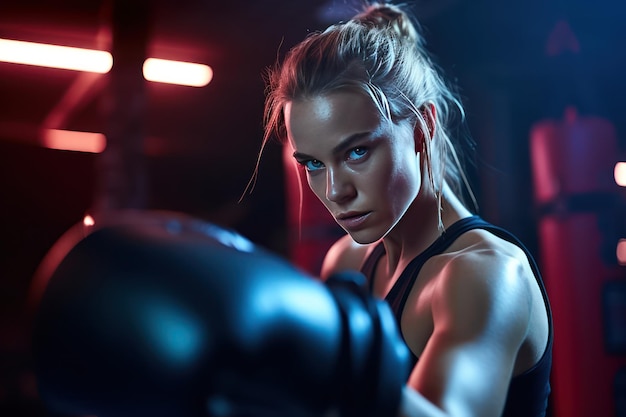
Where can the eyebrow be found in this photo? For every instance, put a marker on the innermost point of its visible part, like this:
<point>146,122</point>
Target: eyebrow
<point>340,148</point>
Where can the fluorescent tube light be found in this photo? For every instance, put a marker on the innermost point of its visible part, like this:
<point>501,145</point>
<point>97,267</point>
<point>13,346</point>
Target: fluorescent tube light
<point>69,140</point>
<point>620,174</point>
<point>55,56</point>
<point>177,72</point>
<point>89,60</point>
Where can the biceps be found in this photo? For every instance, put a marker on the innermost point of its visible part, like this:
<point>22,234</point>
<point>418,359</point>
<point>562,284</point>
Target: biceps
<point>464,379</point>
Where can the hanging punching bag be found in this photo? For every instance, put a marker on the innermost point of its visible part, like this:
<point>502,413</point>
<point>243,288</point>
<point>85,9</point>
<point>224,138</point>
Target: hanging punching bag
<point>577,201</point>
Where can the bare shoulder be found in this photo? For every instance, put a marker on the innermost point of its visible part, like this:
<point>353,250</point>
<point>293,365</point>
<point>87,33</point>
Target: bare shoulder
<point>484,280</point>
<point>484,290</point>
<point>481,258</point>
<point>344,254</point>
<point>482,254</point>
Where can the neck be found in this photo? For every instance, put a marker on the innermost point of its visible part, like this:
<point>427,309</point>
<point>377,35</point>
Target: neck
<point>419,227</point>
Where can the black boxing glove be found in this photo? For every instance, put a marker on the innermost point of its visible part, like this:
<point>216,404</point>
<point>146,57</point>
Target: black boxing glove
<point>375,360</point>
<point>157,314</point>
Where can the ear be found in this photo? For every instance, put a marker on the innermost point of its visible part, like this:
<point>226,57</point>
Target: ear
<point>429,113</point>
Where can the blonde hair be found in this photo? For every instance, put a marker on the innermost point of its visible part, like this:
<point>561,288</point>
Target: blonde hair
<point>381,53</point>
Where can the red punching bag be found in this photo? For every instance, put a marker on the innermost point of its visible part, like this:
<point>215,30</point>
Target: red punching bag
<point>574,189</point>
<point>311,228</point>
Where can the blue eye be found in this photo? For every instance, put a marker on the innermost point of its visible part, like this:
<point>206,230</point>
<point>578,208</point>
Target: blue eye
<point>312,165</point>
<point>357,153</point>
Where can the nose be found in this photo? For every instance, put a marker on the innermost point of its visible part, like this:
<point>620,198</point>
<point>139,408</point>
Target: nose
<point>339,187</point>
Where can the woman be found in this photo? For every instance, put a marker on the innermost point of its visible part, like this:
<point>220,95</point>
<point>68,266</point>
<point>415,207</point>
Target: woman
<point>367,115</point>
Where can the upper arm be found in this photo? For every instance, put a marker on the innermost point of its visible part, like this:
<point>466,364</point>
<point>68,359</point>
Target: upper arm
<point>343,255</point>
<point>480,307</point>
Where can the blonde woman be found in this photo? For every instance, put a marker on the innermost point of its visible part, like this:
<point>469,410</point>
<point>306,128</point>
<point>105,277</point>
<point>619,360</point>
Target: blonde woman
<point>368,116</point>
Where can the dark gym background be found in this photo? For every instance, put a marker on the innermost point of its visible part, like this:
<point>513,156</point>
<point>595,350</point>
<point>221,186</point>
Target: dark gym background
<point>516,62</point>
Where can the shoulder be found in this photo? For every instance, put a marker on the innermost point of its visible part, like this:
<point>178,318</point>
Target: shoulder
<point>484,286</point>
<point>344,254</point>
<point>487,258</point>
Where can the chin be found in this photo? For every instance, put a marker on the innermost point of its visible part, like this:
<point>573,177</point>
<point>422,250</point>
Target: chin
<point>364,238</point>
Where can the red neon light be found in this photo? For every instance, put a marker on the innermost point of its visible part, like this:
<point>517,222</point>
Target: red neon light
<point>89,60</point>
<point>74,141</point>
<point>621,252</point>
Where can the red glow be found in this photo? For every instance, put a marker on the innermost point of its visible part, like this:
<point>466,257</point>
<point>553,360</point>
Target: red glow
<point>621,252</point>
<point>78,59</point>
<point>74,141</point>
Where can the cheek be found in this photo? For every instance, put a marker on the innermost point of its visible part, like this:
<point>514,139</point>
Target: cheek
<point>317,184</point>
<point>404,182</point>
<point>393,176</point>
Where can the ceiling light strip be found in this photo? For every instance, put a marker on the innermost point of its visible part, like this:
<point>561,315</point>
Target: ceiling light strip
<point>69,140</point>
<point>55,56</point>
<point>89,60</point>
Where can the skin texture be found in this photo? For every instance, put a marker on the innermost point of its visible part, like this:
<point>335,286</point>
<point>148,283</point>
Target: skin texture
<point>475,315</point>
<point>363,170</point>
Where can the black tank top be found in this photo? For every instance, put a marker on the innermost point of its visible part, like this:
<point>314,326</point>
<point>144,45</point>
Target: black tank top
<point>528,392</point>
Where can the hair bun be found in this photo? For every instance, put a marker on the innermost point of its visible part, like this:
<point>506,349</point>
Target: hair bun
<point>388,16</point>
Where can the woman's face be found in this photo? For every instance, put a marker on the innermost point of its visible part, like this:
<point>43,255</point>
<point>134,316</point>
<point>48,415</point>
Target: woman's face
<point>363,168</point>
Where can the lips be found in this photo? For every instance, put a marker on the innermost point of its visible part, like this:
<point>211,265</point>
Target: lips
<point>352,219</point>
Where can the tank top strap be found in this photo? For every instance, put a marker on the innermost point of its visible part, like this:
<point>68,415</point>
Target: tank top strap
<point>399,292</point>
